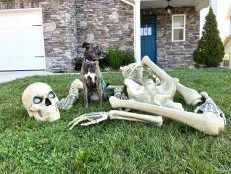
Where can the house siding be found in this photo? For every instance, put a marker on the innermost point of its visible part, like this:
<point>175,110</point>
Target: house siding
<point>175,54</point>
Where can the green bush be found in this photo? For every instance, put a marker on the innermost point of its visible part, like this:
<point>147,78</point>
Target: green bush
<point>210,50</point>
<point>128,57</point>
<point>77,63</point>
<point>116,57</point>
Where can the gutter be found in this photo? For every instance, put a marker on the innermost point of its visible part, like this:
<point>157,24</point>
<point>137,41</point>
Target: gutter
<point>129,3</point>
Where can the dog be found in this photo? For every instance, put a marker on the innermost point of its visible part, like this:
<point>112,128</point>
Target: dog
<point>91,75</point>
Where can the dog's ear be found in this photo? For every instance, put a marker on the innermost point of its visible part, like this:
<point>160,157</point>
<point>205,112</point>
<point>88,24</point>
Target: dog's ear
<point>86,45</point>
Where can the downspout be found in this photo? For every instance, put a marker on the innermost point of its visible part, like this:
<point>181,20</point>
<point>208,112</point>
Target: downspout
<point>138,38</point>
<point>134,26</point>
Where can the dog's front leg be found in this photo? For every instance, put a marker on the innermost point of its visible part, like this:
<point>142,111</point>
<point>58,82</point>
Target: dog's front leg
<point>100,91</point>
<point>85,95</point>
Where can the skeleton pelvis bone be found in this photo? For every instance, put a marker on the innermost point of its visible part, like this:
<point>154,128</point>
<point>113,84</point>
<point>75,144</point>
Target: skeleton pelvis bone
<point>161,95</point>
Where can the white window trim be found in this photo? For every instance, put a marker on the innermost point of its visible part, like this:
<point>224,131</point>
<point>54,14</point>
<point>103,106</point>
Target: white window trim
<point>178,28</point>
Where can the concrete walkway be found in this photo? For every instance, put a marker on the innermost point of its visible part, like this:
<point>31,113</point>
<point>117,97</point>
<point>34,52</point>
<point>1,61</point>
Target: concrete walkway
<point>12,75</point>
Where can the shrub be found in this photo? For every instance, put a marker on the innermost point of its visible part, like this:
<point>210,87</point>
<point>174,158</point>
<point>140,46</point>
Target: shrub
<point>210,50</point>
<point>128,57</point>
<point>77,63</point>
<point>116,57</point>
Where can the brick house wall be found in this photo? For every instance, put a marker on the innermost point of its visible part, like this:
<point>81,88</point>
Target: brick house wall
<point>175,54</point>
<point>104,22</point>
<point>59,37</point>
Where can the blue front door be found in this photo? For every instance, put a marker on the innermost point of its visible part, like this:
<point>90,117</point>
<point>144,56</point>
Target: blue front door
<point>148,40</point>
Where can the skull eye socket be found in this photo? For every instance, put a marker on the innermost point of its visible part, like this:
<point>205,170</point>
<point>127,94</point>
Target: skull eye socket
<point>37,100</point>
<point>51,95</point>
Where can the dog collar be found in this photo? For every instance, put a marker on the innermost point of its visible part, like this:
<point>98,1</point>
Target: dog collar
<point>88,61</point>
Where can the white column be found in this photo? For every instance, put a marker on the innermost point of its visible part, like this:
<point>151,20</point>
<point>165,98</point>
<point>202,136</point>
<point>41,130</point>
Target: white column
<point>137,42</point>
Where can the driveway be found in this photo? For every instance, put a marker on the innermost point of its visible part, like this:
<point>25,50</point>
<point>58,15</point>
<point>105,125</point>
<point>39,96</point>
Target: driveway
<point>12,75</point>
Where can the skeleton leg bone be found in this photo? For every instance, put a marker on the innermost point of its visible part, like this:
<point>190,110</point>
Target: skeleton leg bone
<point>207,122</point>
<point>191,96</point>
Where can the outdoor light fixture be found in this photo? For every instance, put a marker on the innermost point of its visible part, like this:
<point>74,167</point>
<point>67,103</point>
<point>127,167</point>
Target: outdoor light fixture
<point>168,9</point>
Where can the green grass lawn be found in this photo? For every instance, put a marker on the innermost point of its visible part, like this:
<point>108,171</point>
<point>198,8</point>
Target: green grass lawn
<point>113,146</point>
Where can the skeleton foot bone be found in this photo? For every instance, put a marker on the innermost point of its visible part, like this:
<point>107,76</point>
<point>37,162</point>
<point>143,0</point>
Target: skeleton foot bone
<point>210,106</point>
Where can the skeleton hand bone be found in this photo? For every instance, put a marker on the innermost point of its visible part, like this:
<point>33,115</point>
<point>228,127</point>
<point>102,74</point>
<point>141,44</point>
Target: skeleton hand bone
<point>93,118</point>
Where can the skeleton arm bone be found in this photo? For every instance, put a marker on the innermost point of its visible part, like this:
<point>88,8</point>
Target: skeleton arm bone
<point>97,117</point>
<point>73,95</point>
<point>67,103</point>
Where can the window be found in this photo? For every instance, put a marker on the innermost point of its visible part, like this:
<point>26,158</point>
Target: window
<point>226,60</point>
<point>146,31</point>
<point>178,28</point>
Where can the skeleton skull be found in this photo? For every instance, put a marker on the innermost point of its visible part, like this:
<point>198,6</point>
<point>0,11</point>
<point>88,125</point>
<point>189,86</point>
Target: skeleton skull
<point>41,102</point>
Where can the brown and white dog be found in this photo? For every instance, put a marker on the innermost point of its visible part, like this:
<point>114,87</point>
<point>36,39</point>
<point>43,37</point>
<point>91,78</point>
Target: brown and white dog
<point>91,74</point>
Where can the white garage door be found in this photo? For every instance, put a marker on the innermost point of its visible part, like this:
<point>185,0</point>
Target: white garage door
<point>21,40</point>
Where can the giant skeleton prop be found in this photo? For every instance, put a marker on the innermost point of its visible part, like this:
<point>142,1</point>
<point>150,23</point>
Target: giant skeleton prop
<point>146,95</point>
